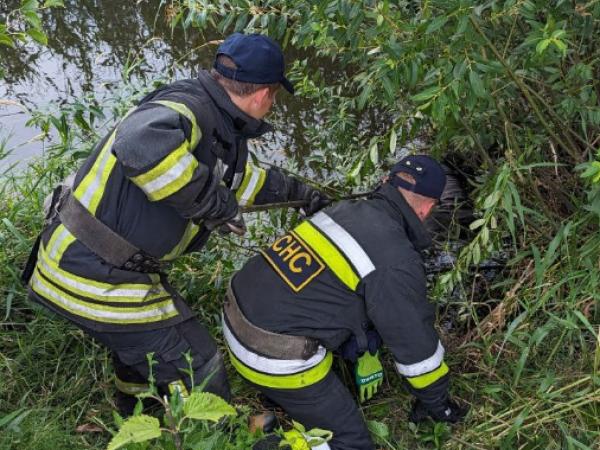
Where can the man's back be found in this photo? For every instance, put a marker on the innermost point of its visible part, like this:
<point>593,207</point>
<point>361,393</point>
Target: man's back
<point>313,281</point>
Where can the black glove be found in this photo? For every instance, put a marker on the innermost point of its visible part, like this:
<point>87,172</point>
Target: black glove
<point>448,411</point>
<point>350,351</point>
<point>235,225</point>
<point>221,207</point>
<point>317,200</point>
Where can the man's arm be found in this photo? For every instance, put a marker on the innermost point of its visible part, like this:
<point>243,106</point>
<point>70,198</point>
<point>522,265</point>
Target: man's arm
<point>154,145</point>
<point>397,305</point>
<point>260,186</point>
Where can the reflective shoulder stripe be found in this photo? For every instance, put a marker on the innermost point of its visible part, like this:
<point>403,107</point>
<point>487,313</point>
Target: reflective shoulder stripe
<point>345,242</point>
<point>91,189</point>
<point>269,365</point>
<point>425,366</point>
<point>168,176</point>
<point>252,183</point>
<point>102,313</point>
<point>187,113</point>
<point>328,252</point>
<point>422,381</point>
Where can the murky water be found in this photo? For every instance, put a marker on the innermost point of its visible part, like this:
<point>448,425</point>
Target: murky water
<point>91,43</point>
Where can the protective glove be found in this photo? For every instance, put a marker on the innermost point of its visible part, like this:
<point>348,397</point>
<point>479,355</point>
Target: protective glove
<point>220,208</point>
<point>235,225</point>
<point>296,190</point>
<point>449,411</point>
<point>316,199</point>
<point>350,350</point>
<point>368,374</point>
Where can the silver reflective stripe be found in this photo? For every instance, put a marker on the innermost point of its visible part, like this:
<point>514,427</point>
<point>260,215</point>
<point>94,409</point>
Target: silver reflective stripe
<point>345,242</point>
<point>237,180</point>
<point>91,289</point>
<point>427,365</point>
<point>64,234</point>
<point>177,170</point>
<point>86,198</point>
<point>251,186</point>
<point>112,315</point>
<point>268,365</point>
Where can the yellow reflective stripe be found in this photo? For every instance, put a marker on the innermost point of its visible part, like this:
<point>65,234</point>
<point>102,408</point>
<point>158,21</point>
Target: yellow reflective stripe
<point>334,259</point>
<point>253,182</point>
<point>293,381</point>
<point>102,313</point>
<point>190,232</point>
<point>59,242</point>
<point>171,174</point>
<point>131,388</point>
<point>426,379</point>
<point>179,387</point>
<point>186,112</point>
<point>89,192</point>
<point>122,292</point>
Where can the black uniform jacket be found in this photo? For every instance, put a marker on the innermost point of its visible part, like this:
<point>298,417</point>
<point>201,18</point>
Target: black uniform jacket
<point>284,294</point>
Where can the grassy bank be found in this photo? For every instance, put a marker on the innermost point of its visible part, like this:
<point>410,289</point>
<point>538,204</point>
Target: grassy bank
<point>507,93</point>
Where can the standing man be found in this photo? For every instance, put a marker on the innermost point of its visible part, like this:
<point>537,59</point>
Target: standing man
<point>175,168</point>
<point>341,279</point>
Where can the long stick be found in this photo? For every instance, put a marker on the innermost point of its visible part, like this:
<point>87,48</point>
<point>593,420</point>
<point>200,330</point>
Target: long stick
<point>295,203</point>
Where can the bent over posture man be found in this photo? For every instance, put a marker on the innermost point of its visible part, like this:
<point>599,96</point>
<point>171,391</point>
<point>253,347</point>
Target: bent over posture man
<point>154,188</point>
<point>346,274</point>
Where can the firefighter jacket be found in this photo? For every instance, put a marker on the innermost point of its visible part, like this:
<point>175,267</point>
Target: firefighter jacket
<point>350,267</point>
<point>177,160</point>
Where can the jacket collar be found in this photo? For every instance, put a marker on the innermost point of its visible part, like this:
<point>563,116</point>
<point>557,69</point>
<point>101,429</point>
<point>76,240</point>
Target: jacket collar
<point>247,126</point>
<point>401,211</point>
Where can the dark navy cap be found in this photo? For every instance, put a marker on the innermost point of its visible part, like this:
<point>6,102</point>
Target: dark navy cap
<point>429,175</point>
<point>258,59</point>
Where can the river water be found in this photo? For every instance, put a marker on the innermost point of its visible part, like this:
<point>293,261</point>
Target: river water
<point>91,43</point>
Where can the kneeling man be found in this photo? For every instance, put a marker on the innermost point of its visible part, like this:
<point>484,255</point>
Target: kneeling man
<point>351,273</point>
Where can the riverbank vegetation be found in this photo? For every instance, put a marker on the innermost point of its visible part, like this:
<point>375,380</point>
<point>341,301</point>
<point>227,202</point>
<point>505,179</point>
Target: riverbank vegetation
<point>505,92</point>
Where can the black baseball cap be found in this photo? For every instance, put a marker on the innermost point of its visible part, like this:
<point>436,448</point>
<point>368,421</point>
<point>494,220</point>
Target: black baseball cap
<point>429,175</point>
<point>258,58</point>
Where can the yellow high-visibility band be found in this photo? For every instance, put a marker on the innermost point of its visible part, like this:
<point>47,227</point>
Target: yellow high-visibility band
<point>252,183</point>
<point>171,174</point>
<point>102,313</point>
<point>293,381</point>
<point>131,388</point>
<point>422,381</point>
<point>187,113</point>
<point>190,233</point>
<point>334,259</point>
<point>91,189</point>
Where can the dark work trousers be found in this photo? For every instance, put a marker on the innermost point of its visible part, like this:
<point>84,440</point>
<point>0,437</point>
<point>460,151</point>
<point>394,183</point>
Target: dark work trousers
<point>168,346</point>
<point>328,405</point>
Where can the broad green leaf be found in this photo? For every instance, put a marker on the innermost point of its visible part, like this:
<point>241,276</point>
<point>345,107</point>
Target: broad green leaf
<point>374,153</point>
<point>542,45</point>
<point>53,3</point>
<point>135,429</point>
<point>38,36</point>
<point>428,93</point>
<point>207,406</point>
<point>476,224</point>
<point>6,40</point>
<point>436,24</point>
<point>379,429</point>
<point>477,84</point>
